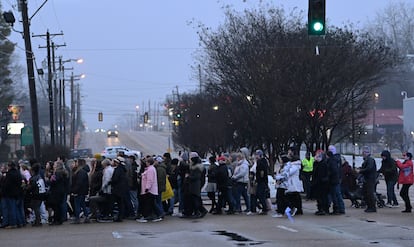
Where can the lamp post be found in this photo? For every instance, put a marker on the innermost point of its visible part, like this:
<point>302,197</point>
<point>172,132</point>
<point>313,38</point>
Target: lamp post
<point>62,97</point>
<point>137,118</point>
<point>73,78</point>
<point>376,97</point>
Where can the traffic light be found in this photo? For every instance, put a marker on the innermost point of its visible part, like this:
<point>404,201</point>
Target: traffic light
<point>146,117</point>
<point>316,17</point>
<point>100,117</point>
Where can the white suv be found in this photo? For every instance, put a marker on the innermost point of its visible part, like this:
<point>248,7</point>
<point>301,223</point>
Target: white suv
<point>112,152</point>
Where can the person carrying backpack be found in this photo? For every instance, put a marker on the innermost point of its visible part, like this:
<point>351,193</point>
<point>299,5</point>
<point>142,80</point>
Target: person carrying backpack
<point>37,192</point>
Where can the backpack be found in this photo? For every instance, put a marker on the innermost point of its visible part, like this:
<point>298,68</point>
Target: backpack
<point>39,190</point>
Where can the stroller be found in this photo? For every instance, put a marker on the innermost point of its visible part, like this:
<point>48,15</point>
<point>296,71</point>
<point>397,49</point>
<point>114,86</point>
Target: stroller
<point>357,198</point>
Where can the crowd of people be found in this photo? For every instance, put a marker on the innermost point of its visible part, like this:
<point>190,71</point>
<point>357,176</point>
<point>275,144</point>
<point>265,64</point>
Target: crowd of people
<point>156,186</point>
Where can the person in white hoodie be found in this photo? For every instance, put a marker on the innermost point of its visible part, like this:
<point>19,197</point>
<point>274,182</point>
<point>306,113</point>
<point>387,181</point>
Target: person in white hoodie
<point>106,189</point>
<point>289,177</point>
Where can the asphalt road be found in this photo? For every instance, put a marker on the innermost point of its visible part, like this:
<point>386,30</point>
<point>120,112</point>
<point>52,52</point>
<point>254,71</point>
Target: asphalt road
<point>389,227</point>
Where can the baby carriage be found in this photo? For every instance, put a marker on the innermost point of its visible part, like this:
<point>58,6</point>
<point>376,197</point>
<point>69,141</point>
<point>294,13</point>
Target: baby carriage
<point>357,197</point>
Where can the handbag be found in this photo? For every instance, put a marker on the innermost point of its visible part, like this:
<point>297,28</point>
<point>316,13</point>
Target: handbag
<point>168,193</point>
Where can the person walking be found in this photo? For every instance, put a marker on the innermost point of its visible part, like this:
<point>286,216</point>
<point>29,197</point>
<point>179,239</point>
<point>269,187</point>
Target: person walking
<point>389,170</point>
<point>369,172</point>
<point>306,174</point>
<point>211,187</point>
<point>262,168</point>
<point>406,178</point>
<point>80,189</point>
<point>240,180</point>
<point>320,183</point>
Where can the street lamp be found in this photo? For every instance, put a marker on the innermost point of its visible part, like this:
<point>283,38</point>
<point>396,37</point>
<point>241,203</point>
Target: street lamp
<point>73,78</point>
<point>137,117</point>
<point>62,97</point>
<point>376,97</point>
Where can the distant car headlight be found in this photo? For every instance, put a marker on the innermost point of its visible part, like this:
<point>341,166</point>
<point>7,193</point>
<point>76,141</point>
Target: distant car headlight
<point>116,132</point>
<point>109,132</point>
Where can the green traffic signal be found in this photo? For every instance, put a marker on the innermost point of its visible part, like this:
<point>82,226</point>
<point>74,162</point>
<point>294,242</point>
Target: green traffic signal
<point>317,26</point>
<point>316,17</point>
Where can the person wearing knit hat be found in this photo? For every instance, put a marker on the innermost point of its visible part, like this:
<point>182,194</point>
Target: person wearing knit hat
<point>369,172</point>
<point>193,155</point>
<point>389,170</point>
<point>262,167</point>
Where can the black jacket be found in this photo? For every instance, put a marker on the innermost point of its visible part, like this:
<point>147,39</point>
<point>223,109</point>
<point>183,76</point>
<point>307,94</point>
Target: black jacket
<point>119,181</point>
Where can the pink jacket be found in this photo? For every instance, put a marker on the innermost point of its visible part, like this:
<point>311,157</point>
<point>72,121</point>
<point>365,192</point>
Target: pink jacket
<point>406,172</point>
<point>149,181</point>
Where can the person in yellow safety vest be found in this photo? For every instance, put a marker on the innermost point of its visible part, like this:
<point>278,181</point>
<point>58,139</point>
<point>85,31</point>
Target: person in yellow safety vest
<point>307,169</point>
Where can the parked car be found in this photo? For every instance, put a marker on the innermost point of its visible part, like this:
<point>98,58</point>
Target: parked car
<point>112,152</point>
<point>112,133</point>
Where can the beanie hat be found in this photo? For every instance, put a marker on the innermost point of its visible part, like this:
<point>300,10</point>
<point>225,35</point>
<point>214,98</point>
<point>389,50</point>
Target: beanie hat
<point>193,155</point>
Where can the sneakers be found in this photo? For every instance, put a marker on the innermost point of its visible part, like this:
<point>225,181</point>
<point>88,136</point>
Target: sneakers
<point>250,213</point>
<point>293,212</point>
<point>395,205</point>
<point>157,219</point>
<point>388,205</point>
<point>142,220</point>
<point>277,215</point>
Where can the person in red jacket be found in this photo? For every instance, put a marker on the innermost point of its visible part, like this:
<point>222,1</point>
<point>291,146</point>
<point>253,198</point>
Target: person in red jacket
<point>406,178</point>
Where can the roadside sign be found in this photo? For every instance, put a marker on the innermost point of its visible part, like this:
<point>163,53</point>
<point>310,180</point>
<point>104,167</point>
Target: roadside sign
<point>26,137</point>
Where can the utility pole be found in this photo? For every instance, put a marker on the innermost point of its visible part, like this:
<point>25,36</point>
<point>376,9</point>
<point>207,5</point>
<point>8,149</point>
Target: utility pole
<point>50,85</point>
<point>32,83</point>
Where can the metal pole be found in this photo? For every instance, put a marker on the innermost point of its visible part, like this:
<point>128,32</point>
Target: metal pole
<point>72,112</point>
<point>32,83</point>
<point>50,91</point>
<point>63,108</point>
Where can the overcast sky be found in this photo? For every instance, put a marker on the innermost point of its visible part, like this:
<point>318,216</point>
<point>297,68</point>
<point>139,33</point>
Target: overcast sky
<point>137,51</point>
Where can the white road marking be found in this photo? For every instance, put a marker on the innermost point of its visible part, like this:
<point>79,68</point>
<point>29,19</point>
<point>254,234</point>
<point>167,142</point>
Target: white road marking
<point>287,228</point>
<point>116,235</point>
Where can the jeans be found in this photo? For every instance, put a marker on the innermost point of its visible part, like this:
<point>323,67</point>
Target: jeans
<point>133,194</point>
<point>337,200</point>
<point>9,210</point>
<point>159,209</point>
<point>172,201</point>
<point>261,195</point>
<point>21,218</point>
<point>79,201</point>
<point>241,190</point>
<point>391,198</point>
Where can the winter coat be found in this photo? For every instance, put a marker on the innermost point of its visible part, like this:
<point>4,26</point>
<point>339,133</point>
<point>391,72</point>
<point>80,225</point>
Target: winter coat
<point>161,177</point>
<point>334,166</point>
<point>222,177</point>
<point>195,178</point>
<point>369,170</point>
<point>58,184</point>
<point>241,172</point>
<point>388,167</point>
<point>149,181</point>
<point>80,182</point>
<point>289,176</point>
<point>12,184</point>
<point>106,179</point>
<point>119,181</point>
<point>406,172</point>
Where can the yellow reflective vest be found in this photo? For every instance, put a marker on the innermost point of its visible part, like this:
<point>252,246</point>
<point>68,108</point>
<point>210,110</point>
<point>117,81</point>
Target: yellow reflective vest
<point>307,164</point>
